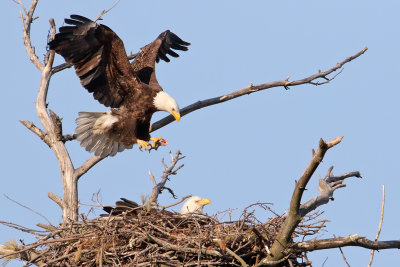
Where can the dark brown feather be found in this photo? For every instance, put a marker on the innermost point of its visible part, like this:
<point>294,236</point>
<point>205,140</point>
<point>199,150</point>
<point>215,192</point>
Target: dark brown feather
<point>99,58</point>
<point>125,205</point>
<point>144,62</point>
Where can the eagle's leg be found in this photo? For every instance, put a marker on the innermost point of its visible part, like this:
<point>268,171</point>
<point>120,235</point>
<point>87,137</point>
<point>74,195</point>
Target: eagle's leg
<point>157,142</point>
<point>143,144</point>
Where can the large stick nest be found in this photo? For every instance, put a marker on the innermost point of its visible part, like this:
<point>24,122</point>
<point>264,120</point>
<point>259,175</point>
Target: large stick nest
<point>160,238</point>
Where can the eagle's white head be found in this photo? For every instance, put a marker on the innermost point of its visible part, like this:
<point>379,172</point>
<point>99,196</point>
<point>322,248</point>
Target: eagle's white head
<point>194,204</point>
<point>165,102</point>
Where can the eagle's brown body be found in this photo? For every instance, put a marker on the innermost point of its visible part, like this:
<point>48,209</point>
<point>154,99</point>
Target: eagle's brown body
<point>130,89</point>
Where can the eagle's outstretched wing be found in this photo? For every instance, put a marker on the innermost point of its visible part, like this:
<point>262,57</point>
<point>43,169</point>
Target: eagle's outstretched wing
<point>99,58</point>
<point>144,63</point>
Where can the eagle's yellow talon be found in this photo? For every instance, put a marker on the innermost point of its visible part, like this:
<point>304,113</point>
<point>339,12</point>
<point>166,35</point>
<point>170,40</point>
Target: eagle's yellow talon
<point>143,144</point>
<point>156,142</point>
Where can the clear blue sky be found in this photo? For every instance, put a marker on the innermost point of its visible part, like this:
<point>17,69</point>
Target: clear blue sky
<point>240,152</point>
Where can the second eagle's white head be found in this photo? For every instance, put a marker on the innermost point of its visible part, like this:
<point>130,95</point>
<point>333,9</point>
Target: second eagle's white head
<point>194,204</point>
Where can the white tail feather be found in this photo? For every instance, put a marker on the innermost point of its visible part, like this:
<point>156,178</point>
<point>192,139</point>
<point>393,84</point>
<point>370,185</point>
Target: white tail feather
<point>93,133</point>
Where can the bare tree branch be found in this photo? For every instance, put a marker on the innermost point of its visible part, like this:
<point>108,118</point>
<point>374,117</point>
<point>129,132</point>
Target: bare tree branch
<point>28,208</point>
<point>86,166</point>
<point>106,11</point>
<point>176,203</point>
<point>42,135</point>
<point>380,225</point>
<point>26,27</point>
<point>352,240</point>
<point>326,187</point>
<point>56,199</point>
<point>252,89</point>
<point>157,189</point>
<point>343,256</point>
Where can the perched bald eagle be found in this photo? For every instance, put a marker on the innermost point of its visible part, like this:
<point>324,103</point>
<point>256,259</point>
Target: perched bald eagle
<point>130,89</point>
<point>194,204</point>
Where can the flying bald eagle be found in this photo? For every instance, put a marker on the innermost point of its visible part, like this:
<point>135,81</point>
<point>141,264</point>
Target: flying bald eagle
<point>194,204</point>
<point>130,89</point>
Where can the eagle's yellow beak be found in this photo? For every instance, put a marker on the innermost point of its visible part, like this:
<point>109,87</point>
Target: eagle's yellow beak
<point>176,115</point>
<point>204,201</point>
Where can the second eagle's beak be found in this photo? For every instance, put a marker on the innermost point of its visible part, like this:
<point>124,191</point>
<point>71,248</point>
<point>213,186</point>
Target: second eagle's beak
<point>204,201</point>
<point>176,115</point>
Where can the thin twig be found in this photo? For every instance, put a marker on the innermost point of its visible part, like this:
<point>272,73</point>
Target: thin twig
<point>343,256</point>
<point>105,11</point>
<point>26,207</point>
<point>380,225</point>
<point>22,228</point>
<point>176,203</point>
<point>152,179</point>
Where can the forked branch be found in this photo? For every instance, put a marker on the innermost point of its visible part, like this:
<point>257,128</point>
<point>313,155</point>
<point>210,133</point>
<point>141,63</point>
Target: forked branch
<point>294,217</point>
<point>26,20</point>
<point>168,171</point>
<point>326,187</point>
